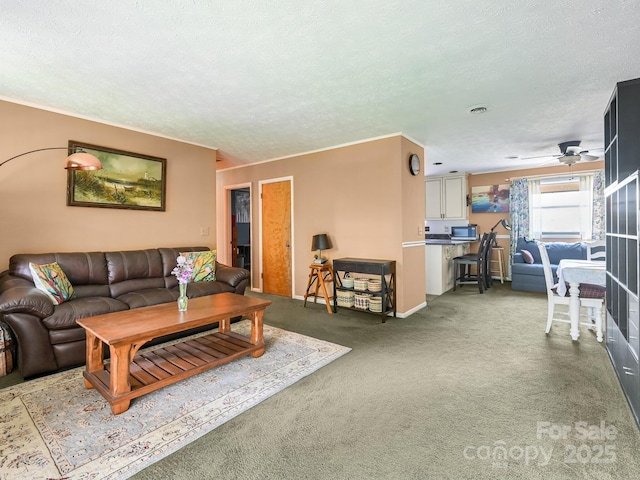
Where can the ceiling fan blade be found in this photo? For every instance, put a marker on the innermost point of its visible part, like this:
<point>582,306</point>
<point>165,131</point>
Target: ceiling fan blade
<point>550,160</point>
<point>540,156</point>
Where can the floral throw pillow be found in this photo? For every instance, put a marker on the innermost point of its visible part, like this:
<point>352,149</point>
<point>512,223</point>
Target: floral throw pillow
<point>204,265</point>
<point>52,280</point>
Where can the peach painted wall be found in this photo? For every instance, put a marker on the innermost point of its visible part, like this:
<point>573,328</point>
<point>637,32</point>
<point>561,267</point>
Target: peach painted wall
<point>34,216</point>
<point>487,220</point>
<point>413,213</point>
<point>358,194</point>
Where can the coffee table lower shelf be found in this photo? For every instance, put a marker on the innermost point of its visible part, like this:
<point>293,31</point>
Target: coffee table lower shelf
<point>152,370</point>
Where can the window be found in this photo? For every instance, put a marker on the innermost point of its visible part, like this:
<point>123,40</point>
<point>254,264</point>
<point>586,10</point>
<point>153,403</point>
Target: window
<point>560,207</point>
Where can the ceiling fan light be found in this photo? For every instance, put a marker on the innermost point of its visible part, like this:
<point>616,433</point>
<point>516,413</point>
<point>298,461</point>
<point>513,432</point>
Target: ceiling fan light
<point>569,159</point>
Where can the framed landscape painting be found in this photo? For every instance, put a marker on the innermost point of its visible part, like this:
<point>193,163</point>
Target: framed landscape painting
<point>127,180</point>
<point>490,199</point>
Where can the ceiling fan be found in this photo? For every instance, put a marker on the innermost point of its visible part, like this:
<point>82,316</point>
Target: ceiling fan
<point>570,153</point>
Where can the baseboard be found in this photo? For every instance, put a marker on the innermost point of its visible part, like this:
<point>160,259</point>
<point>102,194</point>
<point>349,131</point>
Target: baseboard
<point>398,314</point>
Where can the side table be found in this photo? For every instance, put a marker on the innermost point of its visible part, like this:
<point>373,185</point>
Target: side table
<point>385,270</point>
<point>319,276</point>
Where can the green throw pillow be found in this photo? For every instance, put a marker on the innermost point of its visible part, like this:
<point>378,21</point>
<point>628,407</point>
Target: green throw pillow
<point>52,280</point>
<point>204,265</point>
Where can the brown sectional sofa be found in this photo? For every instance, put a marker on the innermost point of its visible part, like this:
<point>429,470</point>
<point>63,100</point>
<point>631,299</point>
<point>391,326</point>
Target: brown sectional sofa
<point>48,337</point>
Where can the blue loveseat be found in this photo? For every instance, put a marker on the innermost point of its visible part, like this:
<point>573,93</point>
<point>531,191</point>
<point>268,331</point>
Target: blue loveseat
<point>530,276</point>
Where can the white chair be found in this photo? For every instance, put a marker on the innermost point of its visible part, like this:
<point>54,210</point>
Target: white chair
<point>596,250</point>
<point>593,305</point>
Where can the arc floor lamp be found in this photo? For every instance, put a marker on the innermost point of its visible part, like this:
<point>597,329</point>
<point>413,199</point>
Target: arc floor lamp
<point>504,224</point>
<point>78,160</point>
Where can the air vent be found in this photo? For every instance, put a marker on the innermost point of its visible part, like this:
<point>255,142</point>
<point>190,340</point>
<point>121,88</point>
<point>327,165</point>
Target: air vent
<point>476,109</point>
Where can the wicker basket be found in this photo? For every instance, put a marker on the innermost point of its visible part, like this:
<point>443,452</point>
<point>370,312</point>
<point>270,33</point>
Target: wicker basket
<point>360,284</point>
<point>375,304</point>
<point>362,301</point>
<point>374,285</point>
<point>345,298</point>
<point>347,282</point>
<point>7,350</point>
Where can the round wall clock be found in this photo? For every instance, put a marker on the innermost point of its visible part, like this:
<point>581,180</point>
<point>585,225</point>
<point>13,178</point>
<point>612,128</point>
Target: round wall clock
<point>414,164</point>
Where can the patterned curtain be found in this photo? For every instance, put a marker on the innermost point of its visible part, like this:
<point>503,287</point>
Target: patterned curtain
<point>519,213</point>
<point>598,215</point>
<point>535,209</point>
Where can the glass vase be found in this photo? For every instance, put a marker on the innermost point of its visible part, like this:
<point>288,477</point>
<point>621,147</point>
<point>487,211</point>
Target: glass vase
<point>183,300</point>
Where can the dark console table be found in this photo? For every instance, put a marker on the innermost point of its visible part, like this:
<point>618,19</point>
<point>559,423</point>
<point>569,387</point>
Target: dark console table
<point>385,270</point>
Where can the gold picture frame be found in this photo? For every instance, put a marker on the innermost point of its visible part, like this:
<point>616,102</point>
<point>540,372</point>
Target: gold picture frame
<point>127,180</point>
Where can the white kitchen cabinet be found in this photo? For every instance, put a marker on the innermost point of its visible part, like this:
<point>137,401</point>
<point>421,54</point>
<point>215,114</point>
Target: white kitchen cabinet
<point>446,197</point>
<point>439,266</point>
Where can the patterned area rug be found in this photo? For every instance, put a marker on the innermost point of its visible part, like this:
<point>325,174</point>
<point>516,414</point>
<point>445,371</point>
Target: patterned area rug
<point>55,428</point>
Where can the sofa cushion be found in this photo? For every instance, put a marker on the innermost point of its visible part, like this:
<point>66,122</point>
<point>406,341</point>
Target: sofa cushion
<point>66,314</point>
<point>526,269</point>
<point>560,250</point>
<point>531,246</point>
<point>51,279</point>
<point>147,297</point>
<point>535,269</point>
<point>169,257</point>
<point>556,250</point>
<point>131,271</point>
<point>81,268</point>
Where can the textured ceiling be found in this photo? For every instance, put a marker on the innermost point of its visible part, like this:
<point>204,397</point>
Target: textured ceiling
<point>262,80</point>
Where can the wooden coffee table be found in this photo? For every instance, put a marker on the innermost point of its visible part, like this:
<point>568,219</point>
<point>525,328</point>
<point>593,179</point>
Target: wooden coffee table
<point>127,376</point>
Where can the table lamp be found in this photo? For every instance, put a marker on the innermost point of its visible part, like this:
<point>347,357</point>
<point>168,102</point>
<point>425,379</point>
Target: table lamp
<point>320,242</point>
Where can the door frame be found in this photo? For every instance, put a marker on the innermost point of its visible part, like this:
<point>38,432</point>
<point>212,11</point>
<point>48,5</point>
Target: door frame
<point>293,236</point>
<point>226,253</point>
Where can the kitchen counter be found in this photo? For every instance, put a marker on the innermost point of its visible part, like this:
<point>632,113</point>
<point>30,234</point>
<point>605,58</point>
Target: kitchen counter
<point>446,242</point>
<point>443,239</point>
<point>439,263</point>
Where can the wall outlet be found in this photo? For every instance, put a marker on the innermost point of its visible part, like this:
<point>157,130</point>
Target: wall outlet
<point>426,229</point>
<point>447,229</point>
<point>204,231</point>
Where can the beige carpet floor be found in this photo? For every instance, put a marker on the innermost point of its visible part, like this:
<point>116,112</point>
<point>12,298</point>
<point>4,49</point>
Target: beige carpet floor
<point>468,388</point>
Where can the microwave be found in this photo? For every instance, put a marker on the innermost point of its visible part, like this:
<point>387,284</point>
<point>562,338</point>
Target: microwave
<point>467,232</point>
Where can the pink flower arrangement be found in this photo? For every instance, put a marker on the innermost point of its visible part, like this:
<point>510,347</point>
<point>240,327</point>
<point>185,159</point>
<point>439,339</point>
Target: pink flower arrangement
<point>183,270</point>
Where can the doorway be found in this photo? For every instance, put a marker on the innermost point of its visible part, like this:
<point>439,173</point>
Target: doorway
<point>276,226</point>
<point>241,228</point>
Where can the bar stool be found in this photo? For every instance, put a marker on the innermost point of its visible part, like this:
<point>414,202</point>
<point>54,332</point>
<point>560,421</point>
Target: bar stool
<point>499,260</point>
<point>319,276</point>
<point>462,266</point>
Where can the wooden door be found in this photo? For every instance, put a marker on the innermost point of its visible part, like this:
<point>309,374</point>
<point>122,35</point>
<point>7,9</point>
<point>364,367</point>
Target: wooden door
<point>276,238</point>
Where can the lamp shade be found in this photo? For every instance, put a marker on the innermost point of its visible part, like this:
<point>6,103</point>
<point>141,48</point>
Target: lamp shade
<point>82,161</point>
<point>502,222</point>
<point>320,242</point>
<point>79,160</point>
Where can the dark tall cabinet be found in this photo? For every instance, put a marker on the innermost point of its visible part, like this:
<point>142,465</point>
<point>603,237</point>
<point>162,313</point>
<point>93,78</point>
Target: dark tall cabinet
<point>622,161</point>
